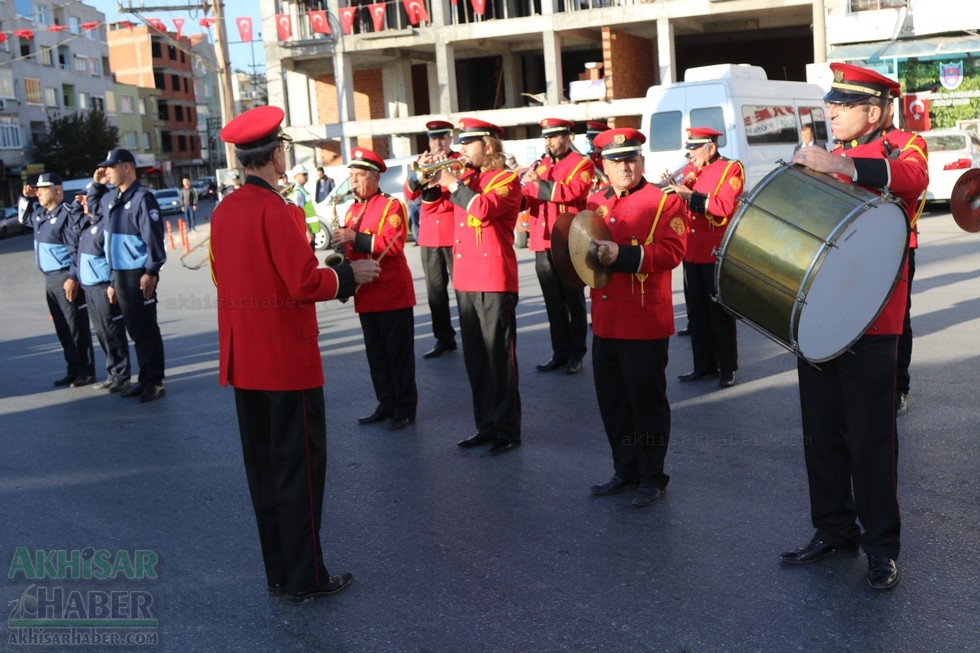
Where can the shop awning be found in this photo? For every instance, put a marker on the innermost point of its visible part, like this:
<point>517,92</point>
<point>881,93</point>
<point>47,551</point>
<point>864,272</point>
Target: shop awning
<point>943,46</point>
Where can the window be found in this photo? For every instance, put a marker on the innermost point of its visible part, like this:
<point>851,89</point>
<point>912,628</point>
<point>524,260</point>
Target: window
<point>25,48</point>
<point>146,140</point>
<point>74,25</point>
<point>47,59</point>
<point>83,100</point>
<point>95,66</point>
<point>125,104</point>
<point>81,64</point>
<point>711,117</point>
<point>175,82</point>
<point>10,138</point>
<point>182,143</point>
<point>142,106</point>
<point>165,143</point>
<point>770,124</point>
<point>24,8</point>
<point>50,96</point>
<point>129,140</point>
<point>42,14</point>
<point>874,5</point>
<point>155,49</point>
<point>32,90</point>
<point>179,113</point>
<point>816,117</point>
<point>172,52</point>
<point>160,81</point>
<point>7,83</point>
<point>97,102</point>
<point>68,95</point>
<point>186,87</point>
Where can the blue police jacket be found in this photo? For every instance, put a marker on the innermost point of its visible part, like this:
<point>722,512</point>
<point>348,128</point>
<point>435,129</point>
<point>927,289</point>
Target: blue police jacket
<point>132,227</point>
<point>55,235</point>
<point>92,267</point>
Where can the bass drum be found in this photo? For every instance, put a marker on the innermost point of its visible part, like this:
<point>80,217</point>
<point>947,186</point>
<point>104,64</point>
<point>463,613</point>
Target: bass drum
<point>811,261</point>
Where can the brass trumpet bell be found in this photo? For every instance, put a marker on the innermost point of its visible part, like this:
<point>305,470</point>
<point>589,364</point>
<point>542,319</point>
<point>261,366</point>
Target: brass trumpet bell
<point>427,172</point>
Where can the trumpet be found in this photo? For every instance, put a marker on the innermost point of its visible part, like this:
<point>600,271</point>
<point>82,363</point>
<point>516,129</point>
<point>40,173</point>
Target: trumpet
<point>676,178</point>
<point>427,172</point>
<point>287,189</point>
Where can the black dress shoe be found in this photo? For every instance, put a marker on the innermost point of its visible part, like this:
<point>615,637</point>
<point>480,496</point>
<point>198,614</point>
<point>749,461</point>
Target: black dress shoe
<point>684,332</point>
<point>501,445</point>
<point>697,376</point>
<point>646,495</point>
<point>119,386</point>
<point>816,550</point>
<point>398,423</point>
<point>574,366</point>
<point>474,440</point>
<point>152,393</point>
<point>615,485</point>
<point>133,391</point>
<point>62,382</point>
<point>439,350</point>
<point>277,589</point>
<point>882,573</point>
<point>378,415</point>
<point>556,363</point>
<point>86,379</point>
<point>334,585</point>
<point>727,380</point>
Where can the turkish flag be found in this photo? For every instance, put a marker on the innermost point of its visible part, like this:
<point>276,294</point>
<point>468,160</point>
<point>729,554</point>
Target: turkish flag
<point>916,112</point>
<point>156,23</point>
<point>319,23</point>
<point>378,14</point>
<point>416,11</point>
<point>207,22</point>
<point>179,24</point>
<point>24,33</point>
<point>57,28</point>
<point>284,25</point>
<point>347,15</point>
<point>244,28</point>
<point>88,27</point>
<point>479,6</point>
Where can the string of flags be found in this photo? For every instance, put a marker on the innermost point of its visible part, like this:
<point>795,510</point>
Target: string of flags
<point>319,21</point>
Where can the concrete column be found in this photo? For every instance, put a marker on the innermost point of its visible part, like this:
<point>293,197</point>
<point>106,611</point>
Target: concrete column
<point>446,63</point>
<point>512,80</point>
<point>396,80</point>
<point>551,46</point>
<point>666,55</point>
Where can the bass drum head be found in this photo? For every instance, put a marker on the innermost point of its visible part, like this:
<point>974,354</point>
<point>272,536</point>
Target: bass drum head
<point>844,297</point>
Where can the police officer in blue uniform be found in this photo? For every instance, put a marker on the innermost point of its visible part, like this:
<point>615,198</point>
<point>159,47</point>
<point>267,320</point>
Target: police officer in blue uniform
<point>135,252</point>
<point>55,232</point>
<point>90,267</point>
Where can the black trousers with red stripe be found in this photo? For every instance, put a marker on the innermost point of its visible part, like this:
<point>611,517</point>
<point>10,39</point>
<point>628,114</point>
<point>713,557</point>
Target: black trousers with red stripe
<point>284,443</point>
<point>850,445</point>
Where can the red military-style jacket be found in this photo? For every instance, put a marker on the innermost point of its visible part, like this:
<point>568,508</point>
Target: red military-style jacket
<point>893,160</point>
<point>381,227</point>
<point>650,226</point>
<point>267,280</point>
<point>564,187</point>
<point>435,214</point>
<point>717,188</point>
<point>486,203</point>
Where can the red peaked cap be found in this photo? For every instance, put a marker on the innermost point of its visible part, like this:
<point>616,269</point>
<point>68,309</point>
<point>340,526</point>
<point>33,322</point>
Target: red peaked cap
<point>618,144</point>
<point>255,128</point>
<point>437,128</point>
<point>471,129</point>
<point>594,127</point>
<point>853,84</point>
<point>552,126</point>
<point>698,136</point>
<point>361,157</point>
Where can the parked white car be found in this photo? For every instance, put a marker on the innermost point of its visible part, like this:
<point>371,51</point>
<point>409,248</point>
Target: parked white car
<point>951,153</point>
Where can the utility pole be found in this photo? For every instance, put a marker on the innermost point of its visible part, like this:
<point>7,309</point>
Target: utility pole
<point>225,94</point>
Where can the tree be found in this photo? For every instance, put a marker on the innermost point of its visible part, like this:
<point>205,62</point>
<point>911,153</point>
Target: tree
<point>74,144</point>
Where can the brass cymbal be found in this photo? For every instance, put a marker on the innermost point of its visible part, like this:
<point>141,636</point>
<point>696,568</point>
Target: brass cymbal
<point>964,201</point>
<point>559,251</point>
<point>587,227</point>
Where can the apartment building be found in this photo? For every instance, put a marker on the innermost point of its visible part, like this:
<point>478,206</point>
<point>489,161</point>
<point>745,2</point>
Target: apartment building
<point>135,114</point>
<point>53,62</point>
<point>148,58</point>
<point>208,98</point>
<point>375,79</point>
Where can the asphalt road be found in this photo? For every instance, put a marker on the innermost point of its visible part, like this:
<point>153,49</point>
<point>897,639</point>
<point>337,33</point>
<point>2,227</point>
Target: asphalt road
<point>456,551</point>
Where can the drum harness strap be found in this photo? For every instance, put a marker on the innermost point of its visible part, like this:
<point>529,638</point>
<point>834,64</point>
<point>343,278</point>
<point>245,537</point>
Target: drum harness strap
<point>633,241</point>
<point>913,222</point>
<point>711,219</point>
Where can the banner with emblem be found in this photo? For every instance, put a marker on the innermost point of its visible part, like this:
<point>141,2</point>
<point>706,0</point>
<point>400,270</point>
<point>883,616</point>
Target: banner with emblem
<point>951,75</point>
<point>244,24</point>
<point>347,15</point>
<point>378,15</point>
<point>479,6</point>
<point>284,26</point>
<point>416,11</point>
<point>319,22</point>
<point>915,109</point>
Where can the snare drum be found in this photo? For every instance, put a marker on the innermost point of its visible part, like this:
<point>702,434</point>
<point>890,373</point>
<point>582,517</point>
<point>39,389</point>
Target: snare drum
<point>811,261</point>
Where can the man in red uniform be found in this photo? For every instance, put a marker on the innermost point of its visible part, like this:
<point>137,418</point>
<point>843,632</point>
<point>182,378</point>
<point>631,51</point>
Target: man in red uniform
<point>633,316</point>
<point>376,227</point>
<point>848,403</point>
<point>267,281</point>
<point>487,196</point>
<point>560,183</point>
<point>712,197</point>
<point>592,129</point>
<point>436,237</point>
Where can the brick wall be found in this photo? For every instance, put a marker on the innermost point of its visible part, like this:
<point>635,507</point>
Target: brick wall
<point>628,64</point>
<point>369,104</point>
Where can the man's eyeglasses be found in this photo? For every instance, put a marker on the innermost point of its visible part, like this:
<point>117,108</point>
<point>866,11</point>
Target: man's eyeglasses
<point>286,145</point>
<point>845,106</point>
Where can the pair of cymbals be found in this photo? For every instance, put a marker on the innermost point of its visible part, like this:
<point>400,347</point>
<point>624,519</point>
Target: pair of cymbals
<point>964,201</point>
<point>573,249</point>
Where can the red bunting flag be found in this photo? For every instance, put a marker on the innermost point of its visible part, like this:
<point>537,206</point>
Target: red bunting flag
<point>156,23</point>
<point>245,28</point>
<point>57,28</point>
<point>378,14</point>
<point>416,11</point>
<point>24,33</point>
<point>179,24</point>
<point>207,22</point>
<point>3,37</point>
<point>88,27</point>
<point>319,22</point>
<point>479,6</point>
<point>347,15</point>
<point>284,25</point>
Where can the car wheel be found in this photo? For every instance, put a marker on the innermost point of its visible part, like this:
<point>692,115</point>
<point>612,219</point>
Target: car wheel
<point>321,239</point>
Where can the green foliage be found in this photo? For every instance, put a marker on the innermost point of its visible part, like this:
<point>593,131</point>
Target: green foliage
<point>74,144</point>
<point>945,107</point>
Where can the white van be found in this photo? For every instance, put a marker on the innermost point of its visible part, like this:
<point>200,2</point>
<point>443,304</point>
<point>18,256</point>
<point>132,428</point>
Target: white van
<point>759,118</point>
